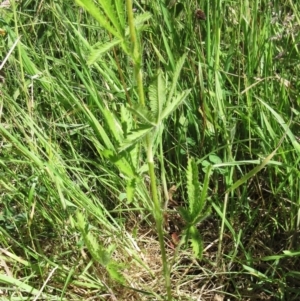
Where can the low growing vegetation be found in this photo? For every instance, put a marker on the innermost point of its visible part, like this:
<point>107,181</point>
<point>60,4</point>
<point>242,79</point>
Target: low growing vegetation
<point>149,150</point>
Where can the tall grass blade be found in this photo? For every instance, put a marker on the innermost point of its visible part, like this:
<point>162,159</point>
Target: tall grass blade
<point>284,125</point>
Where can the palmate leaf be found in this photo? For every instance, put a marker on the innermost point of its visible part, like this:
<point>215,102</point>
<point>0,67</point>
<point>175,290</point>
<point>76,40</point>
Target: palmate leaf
<point>97,251</point>
<point>173,102</point>
<point>153,100</point>
<point>110,12</point>
<point>127,126</point>
<point>160,107</point>
<point>126,120</point>
<point>140,19</point>
<point>135,136</point>
<point>120,11</point>
<point>93,10</point>
<point>196,241</point>
<point>121,162</point>
<point>130,190</point>
<point>161,94</point>
<point>115,272</point>
<point>144,115</point>
<point>203,216</point>
<point>114,124</point>
<point>197,210</point>
<point>175,77</point>
<point>157,97</point>
<point>171,105</point>
<point>99,50</point>
<point>203,197</point>
<point>184,212</point>
<point>193,189</point>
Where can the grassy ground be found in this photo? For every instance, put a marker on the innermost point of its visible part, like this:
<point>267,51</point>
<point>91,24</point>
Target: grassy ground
<point>155,164</point>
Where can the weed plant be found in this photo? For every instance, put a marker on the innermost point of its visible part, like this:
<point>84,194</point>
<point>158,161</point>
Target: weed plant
<point>149,150</point>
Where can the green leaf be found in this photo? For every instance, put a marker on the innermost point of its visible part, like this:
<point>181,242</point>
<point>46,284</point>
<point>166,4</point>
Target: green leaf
<point>255,272</point>
<point>91,118</point>
<point>153,99</point>
<point>286,253</point>
<point>284,126</point>
<point>9,281</point>
<point>185,214</point>
<point>120,160</point>
<point>205,163</point>
<point>193,188</point>
<point>144,115</point>
<point>120,11</point>
<point>80,221</point>
<point>114,271</point>
<point>157,96</point>
<point>135,136</point>
<point>203,197</point>
<point>203,216</point>
<point>93,10</point>
<point>215,159</point>
<point>113,124</point>
<point>196,241</point>
<point>140,19</point>
<point>110,12</point>
<point>252,172</point>
<point>126,120</point>
<point>172,104</point>
<point>99,50</point>
<point>130,190</point>
<point>161,96</point>
<point>127,126</point>
<point>103,257</point>
<point>97,251</point>
<point>159,55</point>
<point>168,48</point>
<point>32,69</point>
<point>175,76</point>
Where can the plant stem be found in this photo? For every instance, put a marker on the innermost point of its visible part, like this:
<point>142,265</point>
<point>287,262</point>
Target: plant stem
<point>136,53</point>
<point>158,218</point>
<point>157,209</point>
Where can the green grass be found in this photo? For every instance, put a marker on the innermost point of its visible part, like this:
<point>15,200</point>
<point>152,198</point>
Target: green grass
<point>102,117</point>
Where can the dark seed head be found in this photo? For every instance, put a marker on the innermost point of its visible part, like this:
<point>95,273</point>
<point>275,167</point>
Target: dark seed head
<point>200,15</point>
